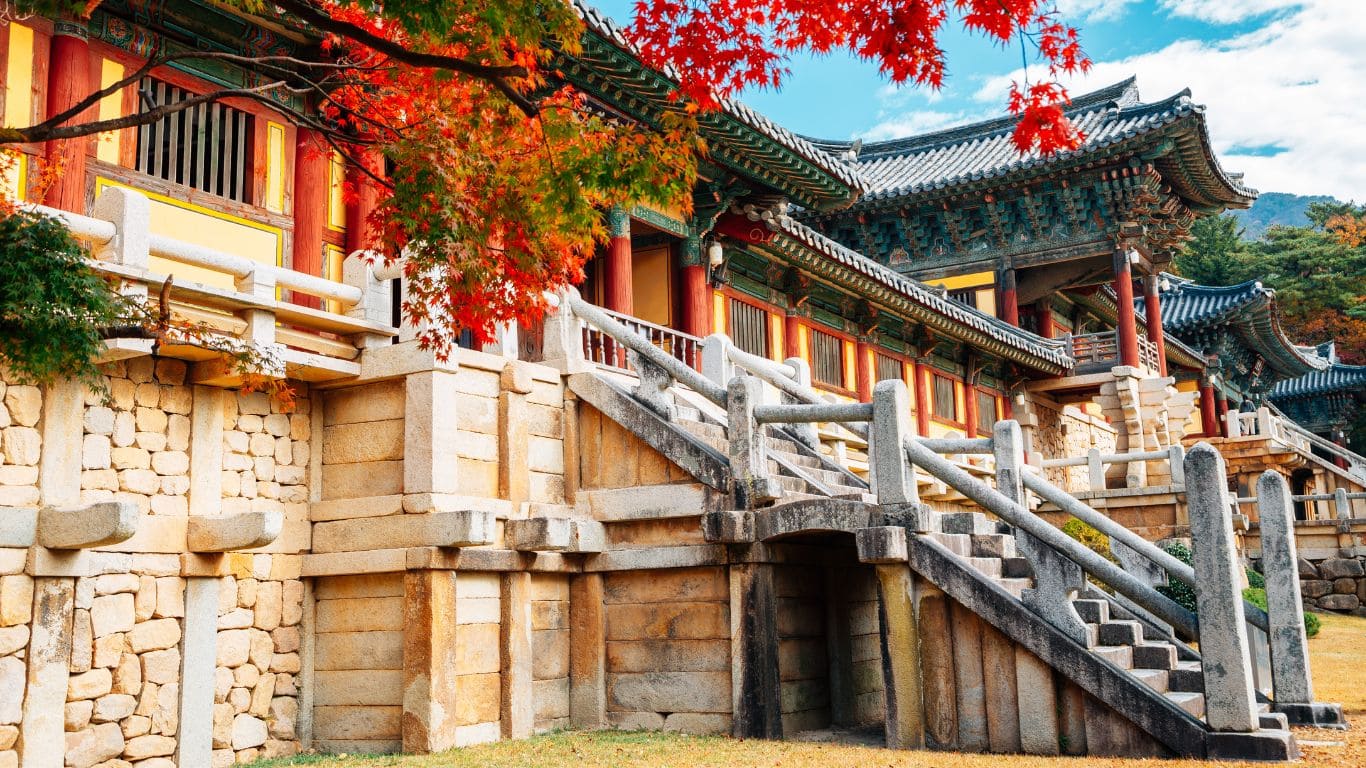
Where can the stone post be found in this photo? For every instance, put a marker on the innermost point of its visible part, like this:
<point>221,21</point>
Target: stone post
<point>891,427</point>
<point>376,302</point>
<point>518,710</point>
<point>428,722</point>
<point>514,477</point>
<point>1226,661</point>
<point>587,652</point>
<point>130,213</point>
<point>49,669</point>
<point>748,452</point>
<point>716,364</point>
<point>905,723</point>
<point>430,451</point>
<point>1341,504</point>
<point>198,651</point>
<point>756,696</point>
<point>562,342</point>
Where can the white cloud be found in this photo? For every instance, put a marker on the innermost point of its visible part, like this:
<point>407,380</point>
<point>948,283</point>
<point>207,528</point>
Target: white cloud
<point>1074,11</point>
<point>1224,11</point>
<point>1285,102</point>
<point>919,121</point>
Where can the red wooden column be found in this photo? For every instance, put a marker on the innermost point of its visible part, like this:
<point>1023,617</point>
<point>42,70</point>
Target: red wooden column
<point>1209,422</point>
<point>618,291</point>
<point>697,311</point>
<point>1124,299</point>
<point>360,235</point>
<point>1152,307</point>
<point>310,206</point>
<point>792,346</point>
<point>1043,314</point>
<point>923,406</point>
<point>1222,402</point>
<point>1010,303</point>
<point>863,370</point>
<point>68,81</point>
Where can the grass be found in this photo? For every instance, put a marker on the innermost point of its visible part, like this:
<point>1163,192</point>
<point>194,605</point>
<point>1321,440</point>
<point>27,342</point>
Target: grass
<point>1339,664</point>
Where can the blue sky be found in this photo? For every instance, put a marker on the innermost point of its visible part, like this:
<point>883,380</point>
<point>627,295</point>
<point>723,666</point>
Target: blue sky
<point>1284,82</point>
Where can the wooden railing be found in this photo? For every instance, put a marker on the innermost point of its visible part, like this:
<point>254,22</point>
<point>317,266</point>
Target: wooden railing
<point>1096,352</point>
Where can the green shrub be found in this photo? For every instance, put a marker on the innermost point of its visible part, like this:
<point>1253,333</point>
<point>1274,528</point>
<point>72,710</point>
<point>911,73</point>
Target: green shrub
<point>1255,580</point>
<point>1180,592</point>
<point>1312,625</point>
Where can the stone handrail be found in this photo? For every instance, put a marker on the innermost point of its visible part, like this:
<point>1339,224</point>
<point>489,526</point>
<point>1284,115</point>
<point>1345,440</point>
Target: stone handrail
<point>1096,462</point>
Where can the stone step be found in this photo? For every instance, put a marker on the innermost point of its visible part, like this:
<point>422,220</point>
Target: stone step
<point>967,522</point>
<point>1092,611</point>
<point>1120,633</point>
<point>988,566</point>
<point>1153,678</point>
<point>797,459</point>
<point>1016,568</point>
<point>957,543</point>
<point>1120,655</point>
<point>791,484</point>
<point>1190,701</point>
<point>1186,676</point>
<point>1015,587</point>
<point>687,413</point>
<point>993,545</point>
<point>1150,655</point>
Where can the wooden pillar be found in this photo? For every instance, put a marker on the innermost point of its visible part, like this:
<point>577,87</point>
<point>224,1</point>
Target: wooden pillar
<point>1209,421</point>
<point>1152,307</point>
<point>68,81</point>
<point>360,235</point>
<point>1010,304</point>
<point>756,704</point>
<point>970,409</point>
<point>1124,300</point>
<point>618,290</point>
<point>863,370</point>
<point>697,293</point>
<point>1222,403</point>
<point>923,406</point>
<point>310,207</point>
<point>792,338</point>
<point>1043,314</point>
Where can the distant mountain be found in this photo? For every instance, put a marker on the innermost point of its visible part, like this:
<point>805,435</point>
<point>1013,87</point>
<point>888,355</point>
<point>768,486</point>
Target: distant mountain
<point>1276,208</point>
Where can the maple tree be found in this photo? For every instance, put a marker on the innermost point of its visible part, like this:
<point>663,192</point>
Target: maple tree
<point>497,171</point>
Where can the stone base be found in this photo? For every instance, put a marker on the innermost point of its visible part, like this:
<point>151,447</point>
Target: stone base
<point>1317,714</point>
<point>1261,746</point>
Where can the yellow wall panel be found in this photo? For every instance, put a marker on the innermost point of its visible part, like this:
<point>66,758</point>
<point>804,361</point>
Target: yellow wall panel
<point>14,178</point>
<point>650,284</point>
<point>718,312</point>
<point>850,364</point>
<point>964,281</point>
<point>336,202</point>
<point>275,167</point>
<point>208,228</point>
<point>986,301</point>
<point>19,77</point>
<point>775,336</point>
<point>111,107</point>
<point>804,343</point>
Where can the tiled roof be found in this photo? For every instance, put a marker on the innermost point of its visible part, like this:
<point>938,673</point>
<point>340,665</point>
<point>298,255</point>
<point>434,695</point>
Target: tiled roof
<point>602,27</point>
<point>953,313</point>
<point>983,151</point>
<point>1335,378</point>
<point>1190,310</point>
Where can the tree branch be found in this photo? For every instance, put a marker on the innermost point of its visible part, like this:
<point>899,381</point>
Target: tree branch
<point>493,75</point>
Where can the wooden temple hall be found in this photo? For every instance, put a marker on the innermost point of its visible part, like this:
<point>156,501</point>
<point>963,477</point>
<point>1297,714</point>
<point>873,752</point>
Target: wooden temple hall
<point>796,461</point>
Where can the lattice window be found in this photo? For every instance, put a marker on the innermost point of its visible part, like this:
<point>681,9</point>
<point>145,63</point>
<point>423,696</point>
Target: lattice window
<point>827,358</point>
<point>205,147</point>
<point>887,367</point>
<point>749,327</point>
<point>986,412</point>
<point>945,404</point>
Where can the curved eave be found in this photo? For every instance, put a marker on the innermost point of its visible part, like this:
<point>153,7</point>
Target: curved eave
<point>609,68</point>
<point>810,251</point>
<point>1175,138</point>
<point>1257,322</point>
<point>1339,378</point>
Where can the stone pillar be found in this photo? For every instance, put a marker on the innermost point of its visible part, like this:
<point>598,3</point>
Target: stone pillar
<point>864,374</point>
<point>59,480</point>
<point>756,704</point>
<point>360,235</point>
<point>517,707</point>
<point>1124,301</point>
<point>429,721</point>
<point>68,81</point>
<point>587,653</point>
<point>618,291</point>
<point>430,451</point>
<point>1010,304</point>
<point>1209,419</point>
<point>1226,662</point>
<point>198,654</point>
<point>905,724</point>
<point>1152,308</point>
<point>311,166</point>
<point>697,310</point>
<point>49,669</point>
<point>753,485</point>
<point>514,428</point>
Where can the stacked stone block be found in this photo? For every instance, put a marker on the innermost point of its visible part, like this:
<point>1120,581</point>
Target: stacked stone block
<point>1334,584</point>
<point>16,610</point>
<point>865,647</point>
<point>803,662</point>
<point>358,667</point>
<point>266,455</point>
<point>20,444</point>
<point>550,650</point>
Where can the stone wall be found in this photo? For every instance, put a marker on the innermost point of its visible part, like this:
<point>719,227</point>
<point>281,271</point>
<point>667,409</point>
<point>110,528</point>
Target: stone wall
<point>1066,431</point>
<point>803,661</point>
<point>550,650</point>
<point>869,705</point>
<point>1334,584</point>
<point>358,663</point>
<point>668,649</point>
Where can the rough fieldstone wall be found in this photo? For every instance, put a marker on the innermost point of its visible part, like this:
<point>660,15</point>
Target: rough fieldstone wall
<point>1064,432</point>
<point>20,444</point>
<point>20,448</point>
<point>1336,584</point>
<point>668,649</point>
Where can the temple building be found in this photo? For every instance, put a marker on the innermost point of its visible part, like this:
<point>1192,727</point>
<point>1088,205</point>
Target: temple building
<point>785,463</point>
